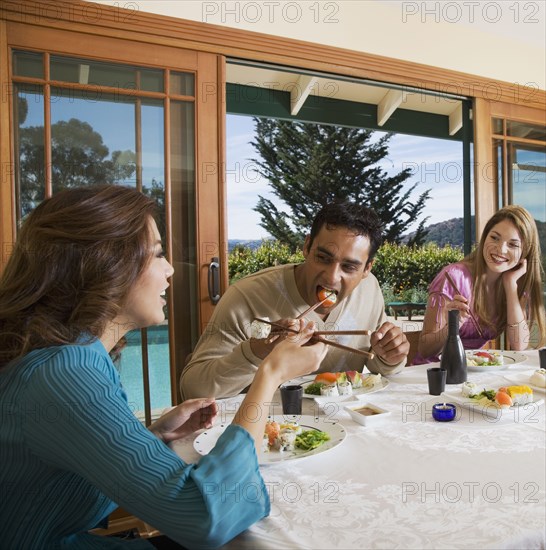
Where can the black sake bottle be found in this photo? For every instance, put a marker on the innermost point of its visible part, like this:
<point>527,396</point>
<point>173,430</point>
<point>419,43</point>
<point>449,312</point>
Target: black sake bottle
<point>453,356</point>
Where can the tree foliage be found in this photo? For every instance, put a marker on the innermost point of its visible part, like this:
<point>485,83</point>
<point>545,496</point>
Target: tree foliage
<point>78,157</point>
<point>309,165</point>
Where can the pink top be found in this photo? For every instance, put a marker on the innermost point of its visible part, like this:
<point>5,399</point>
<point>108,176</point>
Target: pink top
<point>441,291</point>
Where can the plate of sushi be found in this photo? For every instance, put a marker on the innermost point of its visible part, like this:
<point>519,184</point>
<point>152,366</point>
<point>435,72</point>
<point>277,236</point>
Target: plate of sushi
<point>536,380</point>
<point>481,360</point>
<point>338,386</point>
<point>286,437</point>
<point>494,402</point>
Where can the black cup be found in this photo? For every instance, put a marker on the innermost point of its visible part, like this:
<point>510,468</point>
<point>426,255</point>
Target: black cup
<point>542,358</point>
<point>436,380</point>
<point>291,399</point>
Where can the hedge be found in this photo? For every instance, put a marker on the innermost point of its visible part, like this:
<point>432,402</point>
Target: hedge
<point>404,272</point>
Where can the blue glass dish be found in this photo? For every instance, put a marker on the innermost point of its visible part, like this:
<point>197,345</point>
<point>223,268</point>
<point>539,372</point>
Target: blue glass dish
<point>444,412</point>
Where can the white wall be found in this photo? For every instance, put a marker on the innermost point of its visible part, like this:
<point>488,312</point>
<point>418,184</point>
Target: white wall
<point>502,39</point>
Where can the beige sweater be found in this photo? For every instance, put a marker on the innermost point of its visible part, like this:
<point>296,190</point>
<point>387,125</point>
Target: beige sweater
<point>223,364</point>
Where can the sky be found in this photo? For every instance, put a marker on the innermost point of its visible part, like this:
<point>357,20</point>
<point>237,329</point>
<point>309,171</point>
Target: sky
<point>436,164</point>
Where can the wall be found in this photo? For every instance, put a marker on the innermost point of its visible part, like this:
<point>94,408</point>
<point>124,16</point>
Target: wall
<point>503,39</point>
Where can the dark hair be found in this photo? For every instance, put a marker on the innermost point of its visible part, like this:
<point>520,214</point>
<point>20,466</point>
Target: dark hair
<point>76,257</point>
<point>355,217</point>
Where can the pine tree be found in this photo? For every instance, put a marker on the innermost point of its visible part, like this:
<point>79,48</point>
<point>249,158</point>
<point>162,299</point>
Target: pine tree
<point>309,165</point>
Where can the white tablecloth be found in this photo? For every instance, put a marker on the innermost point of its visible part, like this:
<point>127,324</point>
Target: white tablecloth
<point>412,482</point>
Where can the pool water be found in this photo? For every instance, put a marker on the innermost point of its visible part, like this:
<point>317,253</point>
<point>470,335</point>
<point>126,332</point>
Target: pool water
<point>130,369</point>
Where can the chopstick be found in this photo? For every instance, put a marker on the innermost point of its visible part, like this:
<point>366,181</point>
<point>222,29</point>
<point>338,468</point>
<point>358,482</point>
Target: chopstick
<point>343,332</point>
<point>312,308</point>
<point>471,315</point>
<point>319,338</point>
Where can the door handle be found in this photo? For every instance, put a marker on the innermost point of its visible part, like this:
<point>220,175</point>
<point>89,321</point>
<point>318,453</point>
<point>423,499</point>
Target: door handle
<point>214,280</point>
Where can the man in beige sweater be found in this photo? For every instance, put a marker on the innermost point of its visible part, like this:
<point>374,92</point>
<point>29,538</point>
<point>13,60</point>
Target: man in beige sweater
<point>339,255</point>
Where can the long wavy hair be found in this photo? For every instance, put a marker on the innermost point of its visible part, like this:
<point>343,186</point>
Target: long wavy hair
<point>529,285</point>
<point>76,257</point>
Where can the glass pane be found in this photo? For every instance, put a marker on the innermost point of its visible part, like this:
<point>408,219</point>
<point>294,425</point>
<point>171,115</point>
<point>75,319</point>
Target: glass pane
<point>85,71</point>
<point>524,130</point>
<point>28,64</point>
<point>129,364</point>
<point>153,184</point>
<point>183,220</point>
<point>529,179</point>
<point>497,126</point>
<point>92,139</point>
<point>29,148</point>
<point>528,186</point>
<point>182,83</point>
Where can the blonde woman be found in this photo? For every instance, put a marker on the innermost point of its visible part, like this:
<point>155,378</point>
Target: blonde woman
<point>497,288</point>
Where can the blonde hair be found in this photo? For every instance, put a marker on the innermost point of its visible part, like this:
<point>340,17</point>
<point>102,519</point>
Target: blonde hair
<point>529,285</point>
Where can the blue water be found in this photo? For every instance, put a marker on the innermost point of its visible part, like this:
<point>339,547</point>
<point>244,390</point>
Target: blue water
<point>130,367</point>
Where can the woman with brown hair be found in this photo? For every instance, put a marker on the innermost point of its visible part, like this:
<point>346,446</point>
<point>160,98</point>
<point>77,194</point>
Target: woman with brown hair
<point>87,267</point>
<point>497,288</point>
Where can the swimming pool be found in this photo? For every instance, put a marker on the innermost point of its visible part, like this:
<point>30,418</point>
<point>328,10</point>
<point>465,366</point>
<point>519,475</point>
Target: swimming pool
<point>130,369</point>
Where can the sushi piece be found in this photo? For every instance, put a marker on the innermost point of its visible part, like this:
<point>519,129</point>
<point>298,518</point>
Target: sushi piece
<point>327,296</point>
<point>272,431</point>
<point>286,441</point>
<point>328,377</point>
<point>520,394</point>
<point>355,378</point>
<point>329,390</point>
<point>503,400</point>
<point>538,378</point>
<point>345,388</point>
<point>260,330</point>
<point>468,389</point>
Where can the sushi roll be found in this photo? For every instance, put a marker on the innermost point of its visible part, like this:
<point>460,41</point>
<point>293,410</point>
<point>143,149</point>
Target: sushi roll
<point>355,378</point>
<point>260,330</point>
<point>538,378</point>
<point>330,390</point>
<point>345,388</point>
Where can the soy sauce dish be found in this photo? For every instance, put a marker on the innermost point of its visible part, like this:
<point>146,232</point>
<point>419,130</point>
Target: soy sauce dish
<point>366,414</point>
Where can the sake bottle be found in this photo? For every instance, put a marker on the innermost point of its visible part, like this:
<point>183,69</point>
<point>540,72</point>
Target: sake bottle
<point>453,356</point>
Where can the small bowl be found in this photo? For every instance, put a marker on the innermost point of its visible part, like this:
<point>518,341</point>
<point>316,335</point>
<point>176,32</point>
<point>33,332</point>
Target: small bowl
<point>366,413</point>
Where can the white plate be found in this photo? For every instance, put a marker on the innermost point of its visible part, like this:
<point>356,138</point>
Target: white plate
<point>356,392</point>
<point>520,378</point>
<point>455,396</point>
<point>204,442</point>
<point>510,358</point>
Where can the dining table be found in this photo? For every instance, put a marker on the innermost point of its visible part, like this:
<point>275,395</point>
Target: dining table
<point>409,481</point>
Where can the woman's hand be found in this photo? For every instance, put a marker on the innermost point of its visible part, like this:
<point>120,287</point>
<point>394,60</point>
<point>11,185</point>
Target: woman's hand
<point>186,418</point>
<point>295,354</point>
<point>461,304</point>
<point>510,278</point>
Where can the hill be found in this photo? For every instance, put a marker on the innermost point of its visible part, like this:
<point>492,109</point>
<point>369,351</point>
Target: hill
<point>442,233</point>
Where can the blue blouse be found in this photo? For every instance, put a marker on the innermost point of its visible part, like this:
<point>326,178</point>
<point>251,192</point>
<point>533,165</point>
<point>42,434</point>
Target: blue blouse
<point>71,451</point>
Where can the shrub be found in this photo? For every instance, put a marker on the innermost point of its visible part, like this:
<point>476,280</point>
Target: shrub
<point>411,269</point>
<point>242,260</point>
<point>404,272</point>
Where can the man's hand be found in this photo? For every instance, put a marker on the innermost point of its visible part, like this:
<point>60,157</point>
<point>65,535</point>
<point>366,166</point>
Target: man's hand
<point>390,344</point>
